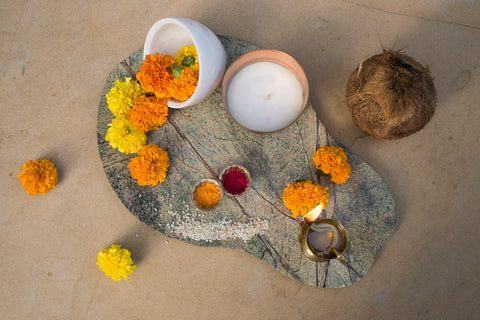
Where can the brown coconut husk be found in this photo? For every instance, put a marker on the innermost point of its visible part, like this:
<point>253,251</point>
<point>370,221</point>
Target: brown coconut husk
<point>391,95</point>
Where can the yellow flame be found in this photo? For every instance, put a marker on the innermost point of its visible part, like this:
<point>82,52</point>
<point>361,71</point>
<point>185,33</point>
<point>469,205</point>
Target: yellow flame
<point>314,213</point>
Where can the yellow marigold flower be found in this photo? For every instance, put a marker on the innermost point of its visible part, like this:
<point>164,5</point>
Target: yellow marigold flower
<point>40,176</point>
<point>332,160</point>
<point>115,262</point>
<point>124,136</point>
<point>301,197</point>
<point>186,52</point>
<point>155,75</point>
<point>184,87</point>
<point>148,113</point>
<point>122,95</point>
<point>150,167</point>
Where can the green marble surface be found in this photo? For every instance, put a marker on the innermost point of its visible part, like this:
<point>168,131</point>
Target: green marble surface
<point>201,140</point>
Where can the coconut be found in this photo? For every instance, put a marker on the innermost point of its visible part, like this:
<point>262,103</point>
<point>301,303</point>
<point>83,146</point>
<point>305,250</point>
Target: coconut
<point>391,95</point>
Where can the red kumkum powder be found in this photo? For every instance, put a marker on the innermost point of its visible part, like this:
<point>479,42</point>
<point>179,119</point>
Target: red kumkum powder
<point>235,181</point>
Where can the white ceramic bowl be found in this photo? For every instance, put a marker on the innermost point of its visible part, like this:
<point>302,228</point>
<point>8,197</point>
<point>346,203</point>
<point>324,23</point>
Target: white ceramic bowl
<point>169,35</point>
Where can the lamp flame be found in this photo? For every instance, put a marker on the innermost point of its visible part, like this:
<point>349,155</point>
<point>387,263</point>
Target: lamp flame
<point>314,213</point>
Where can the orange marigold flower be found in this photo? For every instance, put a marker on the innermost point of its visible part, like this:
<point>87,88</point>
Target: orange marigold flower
<point>332,160</point>
<point>302,197</point>
<point>155,75</point>
<point>148,113</point>
<point>185,85</point>
<point>150,167</point>
<point>40,176</point>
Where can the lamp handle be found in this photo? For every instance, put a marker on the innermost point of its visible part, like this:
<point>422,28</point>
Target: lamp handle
<point>341,258</point>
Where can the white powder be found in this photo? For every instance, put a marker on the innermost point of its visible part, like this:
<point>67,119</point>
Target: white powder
<point>189,227</point>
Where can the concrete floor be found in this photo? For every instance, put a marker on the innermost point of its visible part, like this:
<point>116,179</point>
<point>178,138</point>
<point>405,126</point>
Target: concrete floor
<point>54,59</point>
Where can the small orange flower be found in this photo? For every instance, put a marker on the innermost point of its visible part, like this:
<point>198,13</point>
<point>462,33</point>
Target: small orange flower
<point>150,167</point>
<point>332,160</point>
<point>148,113</point>
<point>40,176</point>
<point>302,197</point>
<point>155,75</point>
<point>185,85</point>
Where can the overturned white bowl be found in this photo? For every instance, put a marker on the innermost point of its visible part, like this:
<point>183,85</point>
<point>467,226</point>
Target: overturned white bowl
<point>169,35</point>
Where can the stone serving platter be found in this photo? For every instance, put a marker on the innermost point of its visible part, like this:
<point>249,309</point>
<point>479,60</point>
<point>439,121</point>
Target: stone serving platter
<point>203,139</point>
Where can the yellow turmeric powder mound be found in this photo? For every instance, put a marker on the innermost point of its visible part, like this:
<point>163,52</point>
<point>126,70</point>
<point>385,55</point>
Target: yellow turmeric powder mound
<point>207,195</point>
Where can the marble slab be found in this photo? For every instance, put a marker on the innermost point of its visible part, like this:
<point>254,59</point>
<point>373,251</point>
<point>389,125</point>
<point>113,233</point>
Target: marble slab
<point>203,139</point>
